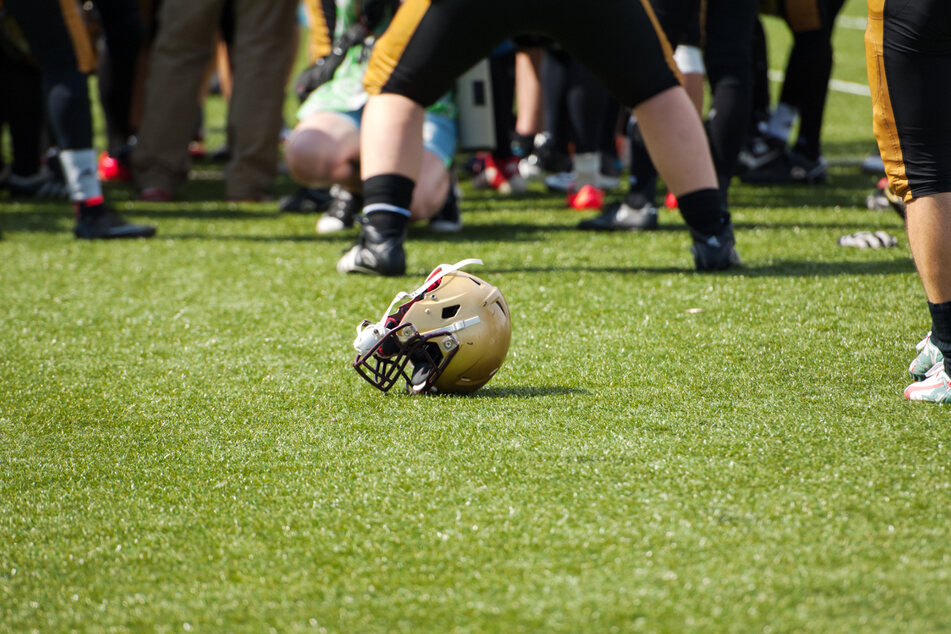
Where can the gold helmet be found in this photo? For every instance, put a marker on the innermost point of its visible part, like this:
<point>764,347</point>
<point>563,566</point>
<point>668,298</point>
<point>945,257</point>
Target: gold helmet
<point>451,336</point>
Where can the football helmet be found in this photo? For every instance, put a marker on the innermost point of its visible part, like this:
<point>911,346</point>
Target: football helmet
<point>450,336</point>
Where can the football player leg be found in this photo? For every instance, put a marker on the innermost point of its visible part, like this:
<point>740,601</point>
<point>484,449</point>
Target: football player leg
<point>64,54</point>
<point>908,53</point>
<point>641,76</point>
<point>929,233</point>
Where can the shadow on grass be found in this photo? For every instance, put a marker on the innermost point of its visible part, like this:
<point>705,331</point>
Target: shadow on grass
<point>527,392</point>
<point>783,268</point>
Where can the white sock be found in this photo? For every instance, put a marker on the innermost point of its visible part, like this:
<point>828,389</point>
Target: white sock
<point>781,122</point>
<point>587,165</point>
<point>79,168</point>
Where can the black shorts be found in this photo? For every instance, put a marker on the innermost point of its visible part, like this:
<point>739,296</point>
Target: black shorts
<point>56,34</point>
<point>908,52</point>
<point>431,42</point>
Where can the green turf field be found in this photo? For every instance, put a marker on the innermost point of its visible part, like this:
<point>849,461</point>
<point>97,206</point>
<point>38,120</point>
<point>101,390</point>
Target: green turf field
<point>185,447</point>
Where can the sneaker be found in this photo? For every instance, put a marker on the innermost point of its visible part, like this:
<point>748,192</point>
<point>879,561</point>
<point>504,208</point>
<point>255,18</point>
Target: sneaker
<point>873,164</point>
<point>548,157</point>
<point>759,151</point>
<point>306,200</point>
<point>377,253</point>
<point>111,168</point>
<point>108,225</point>
<point>588,197</point>
<point>789,167</point>
<point>43,185</point>
<point>928,356</point>
<point>221,154</point>
<point>883,199</point>
<point>155,195</point>
<point>565,181</point>
<point>502,175</point>
<point>714,252</point>
<point>531,170</point>
<point>622,217</point>
<point>560,182</point>
<point>935,387</point>
<point>449,219</point>
<point>343,209</point>
<point>196,149</point>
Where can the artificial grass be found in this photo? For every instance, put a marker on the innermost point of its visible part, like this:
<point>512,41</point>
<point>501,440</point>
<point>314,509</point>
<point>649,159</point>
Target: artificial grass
<point>185,447</point>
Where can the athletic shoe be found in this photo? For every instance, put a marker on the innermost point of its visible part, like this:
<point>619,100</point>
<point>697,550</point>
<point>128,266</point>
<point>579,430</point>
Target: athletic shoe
<point>343,209</point>
<point>306,200</point>
<point>111,168</point>
<point>714,252</point>
<point>377,253</point>
<point>197,149</point>
<point>928,356</point>
<point>883,198</point>
<point>788,167</point>
<point>560,182</point>
<point>108,225</point>
<point>155,195</point>
<point>44,185</point>
<point>449,219</point>
<point>221,154</point>
<point>502,175</point>
<point>935,387</point>
<point>588,197</point>
<point>565,181</point>
<point>759,151</point>
<point>873,164</point>
<point>531,170</point>
<point>549,158</point>
<point>623,217</point>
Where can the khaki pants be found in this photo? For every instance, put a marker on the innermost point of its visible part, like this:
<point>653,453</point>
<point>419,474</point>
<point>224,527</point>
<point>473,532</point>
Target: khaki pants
<point>264,47</point>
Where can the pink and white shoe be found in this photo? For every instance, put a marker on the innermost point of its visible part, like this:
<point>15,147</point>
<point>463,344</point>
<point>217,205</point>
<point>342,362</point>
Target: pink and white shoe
<point>935,387</point>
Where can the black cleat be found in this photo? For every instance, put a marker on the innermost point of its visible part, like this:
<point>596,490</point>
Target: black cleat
<point>449,219</point>
<point>714,252</point>
<point>788,167</point>
<point>760,150</point>
<point>108,225</point>
<point>305,201</point>
<point>377,253</point>
<point>42,185</point>
<point>344,207</point>
<point>623,217</point>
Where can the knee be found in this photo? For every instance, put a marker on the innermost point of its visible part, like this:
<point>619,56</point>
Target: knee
<point>307,159</point>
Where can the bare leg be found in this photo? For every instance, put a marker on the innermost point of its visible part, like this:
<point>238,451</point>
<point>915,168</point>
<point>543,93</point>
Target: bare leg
<point>528,91</point>
<point>431,189</point>
<point>694,84</point>
<point>929,234</point>
<point>676,141</point>
<point>391,139</point>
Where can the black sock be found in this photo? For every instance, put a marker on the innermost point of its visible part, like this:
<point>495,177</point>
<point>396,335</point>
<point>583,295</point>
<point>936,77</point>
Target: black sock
<point>522,144</point>
<point>704,212</point>
<point>386,200</point>
<point>941,330</point>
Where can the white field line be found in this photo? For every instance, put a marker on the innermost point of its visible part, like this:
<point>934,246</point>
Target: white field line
<point>837,85</point>
<point>850,22</point>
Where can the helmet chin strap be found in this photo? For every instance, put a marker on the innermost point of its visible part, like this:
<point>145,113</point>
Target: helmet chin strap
<point>369,333</point>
